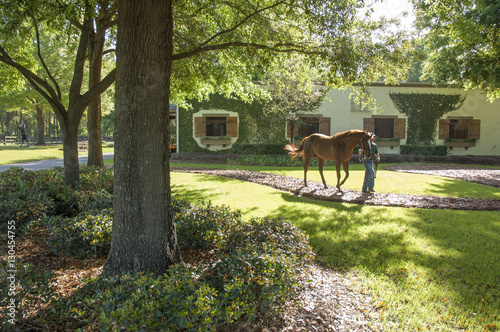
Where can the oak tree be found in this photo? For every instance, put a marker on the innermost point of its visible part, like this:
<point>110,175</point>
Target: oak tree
<point>462,41</point>
<point>215,46</point>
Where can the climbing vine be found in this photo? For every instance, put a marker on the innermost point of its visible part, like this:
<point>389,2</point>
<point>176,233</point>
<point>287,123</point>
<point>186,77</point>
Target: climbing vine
<point>254,125</point>
<point>423,111</point>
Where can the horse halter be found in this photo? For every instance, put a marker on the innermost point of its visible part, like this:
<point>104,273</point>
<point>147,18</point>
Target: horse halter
<point>367,142</point>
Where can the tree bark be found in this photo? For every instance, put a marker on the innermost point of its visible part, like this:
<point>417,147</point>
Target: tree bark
<point>69,130</point>
<point>40,124</point>
<point>144,237</point>
<point>94,110</point>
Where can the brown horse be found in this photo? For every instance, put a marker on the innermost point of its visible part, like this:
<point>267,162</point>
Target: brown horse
<point>338,148</point>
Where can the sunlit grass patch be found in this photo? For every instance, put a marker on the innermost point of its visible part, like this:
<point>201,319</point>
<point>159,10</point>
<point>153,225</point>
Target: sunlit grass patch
<point>429,270</point>
<point>15,154</point>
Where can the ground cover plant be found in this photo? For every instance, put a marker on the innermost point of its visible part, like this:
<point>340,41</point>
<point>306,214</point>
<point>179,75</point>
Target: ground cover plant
<point>251,267</point>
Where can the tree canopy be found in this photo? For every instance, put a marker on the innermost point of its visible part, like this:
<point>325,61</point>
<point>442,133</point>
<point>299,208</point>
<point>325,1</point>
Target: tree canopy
<point>220,45</point>
<point>462,40</point>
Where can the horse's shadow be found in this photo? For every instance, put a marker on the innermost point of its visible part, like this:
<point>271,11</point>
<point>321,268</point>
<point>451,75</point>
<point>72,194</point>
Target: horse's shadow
<point>332,194</point>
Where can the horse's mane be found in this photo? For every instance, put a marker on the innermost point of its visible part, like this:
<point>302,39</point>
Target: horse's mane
<point>339,138</point>
<point>346,133</point>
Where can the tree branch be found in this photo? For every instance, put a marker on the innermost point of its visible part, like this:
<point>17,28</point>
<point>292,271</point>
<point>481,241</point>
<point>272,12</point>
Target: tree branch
<point>281,48</point>
<point>240,23</point>
<point>96,90</point>
<point>42,61</point>
<point>40,85</point>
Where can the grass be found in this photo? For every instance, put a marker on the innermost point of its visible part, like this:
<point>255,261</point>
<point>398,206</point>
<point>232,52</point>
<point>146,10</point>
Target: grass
<point>386,181</point>
<point>431,270</point>
<point>12,154</point>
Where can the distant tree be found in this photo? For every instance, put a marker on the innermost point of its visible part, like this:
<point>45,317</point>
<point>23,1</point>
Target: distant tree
<point>30,31</point>
<point>462,43</point>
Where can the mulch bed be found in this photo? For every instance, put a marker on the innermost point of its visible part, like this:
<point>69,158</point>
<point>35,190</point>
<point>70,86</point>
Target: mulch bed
<point>315,190</point>
<point>481,175</point>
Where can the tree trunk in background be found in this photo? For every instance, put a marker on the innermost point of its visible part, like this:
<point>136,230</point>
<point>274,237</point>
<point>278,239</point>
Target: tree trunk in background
<point>40,124</point>
<point>94,110</point>
<point>69,129</point>
<point>144,236</point>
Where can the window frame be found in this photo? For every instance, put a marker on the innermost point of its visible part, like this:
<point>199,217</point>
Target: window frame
<point>473,130</point>
<point>398,130</point>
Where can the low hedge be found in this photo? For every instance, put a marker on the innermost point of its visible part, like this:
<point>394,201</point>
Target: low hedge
<point>424,150</point>
<point>32,195</point>
<point>258,149</point>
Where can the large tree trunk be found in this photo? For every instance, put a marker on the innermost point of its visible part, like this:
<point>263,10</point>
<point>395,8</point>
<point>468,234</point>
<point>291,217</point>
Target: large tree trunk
<point>144,236</point>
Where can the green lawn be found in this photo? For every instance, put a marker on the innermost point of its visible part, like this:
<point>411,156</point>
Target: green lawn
<point>386,181</point>
<point>434,270</point>
<point>12,154</point>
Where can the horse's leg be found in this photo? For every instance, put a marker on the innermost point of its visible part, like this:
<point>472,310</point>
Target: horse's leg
<point>337,167</point>
<point>321,163</point>
<point>307,161</point>
<point>345,165</point>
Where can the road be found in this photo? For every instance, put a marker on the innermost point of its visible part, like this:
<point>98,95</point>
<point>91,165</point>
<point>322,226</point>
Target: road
<point>46,164</point>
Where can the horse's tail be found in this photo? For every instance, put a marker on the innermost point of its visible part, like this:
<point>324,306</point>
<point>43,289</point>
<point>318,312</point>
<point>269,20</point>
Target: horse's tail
<point>293,151</point>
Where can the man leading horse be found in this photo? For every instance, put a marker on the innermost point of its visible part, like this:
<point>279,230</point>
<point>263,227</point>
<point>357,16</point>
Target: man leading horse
<point>338,148</point>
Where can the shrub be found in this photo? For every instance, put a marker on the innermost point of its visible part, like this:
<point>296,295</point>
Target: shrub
<point>258,148</point>
<point>269,235</point>
<point>277,160</point>
<point>252,282</point>
<point>96,179</point>
<point>257,269</point>
<point>36,194</point>
<point>170,302</point>
<point>94,200</point>
<point>88,234</point>
<point>204,226</point>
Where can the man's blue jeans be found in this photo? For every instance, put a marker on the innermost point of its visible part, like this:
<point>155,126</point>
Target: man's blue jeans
<point>369,181</point>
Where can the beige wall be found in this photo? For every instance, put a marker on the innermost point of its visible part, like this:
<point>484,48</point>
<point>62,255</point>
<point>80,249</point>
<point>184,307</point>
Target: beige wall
<point>338,108</point>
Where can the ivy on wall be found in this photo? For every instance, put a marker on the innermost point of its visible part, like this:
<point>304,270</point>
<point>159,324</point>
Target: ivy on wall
<point>253,126</point>
<point>423,111</point>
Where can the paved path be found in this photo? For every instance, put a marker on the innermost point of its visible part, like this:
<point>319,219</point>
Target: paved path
<point>46,164</point>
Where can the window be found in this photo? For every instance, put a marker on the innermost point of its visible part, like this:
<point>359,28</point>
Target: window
<point>215,126</point>
<point>359,105</point>
<point>459,128</point>
<point>310,125</point>
<point>386,127</point>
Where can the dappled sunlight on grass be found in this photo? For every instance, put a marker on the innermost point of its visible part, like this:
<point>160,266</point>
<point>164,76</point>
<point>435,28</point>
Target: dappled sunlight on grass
<point>435,270</point>
<point>464,189</point>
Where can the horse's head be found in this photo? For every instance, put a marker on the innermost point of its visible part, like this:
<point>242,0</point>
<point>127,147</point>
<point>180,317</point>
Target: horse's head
<point>365,143</point>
